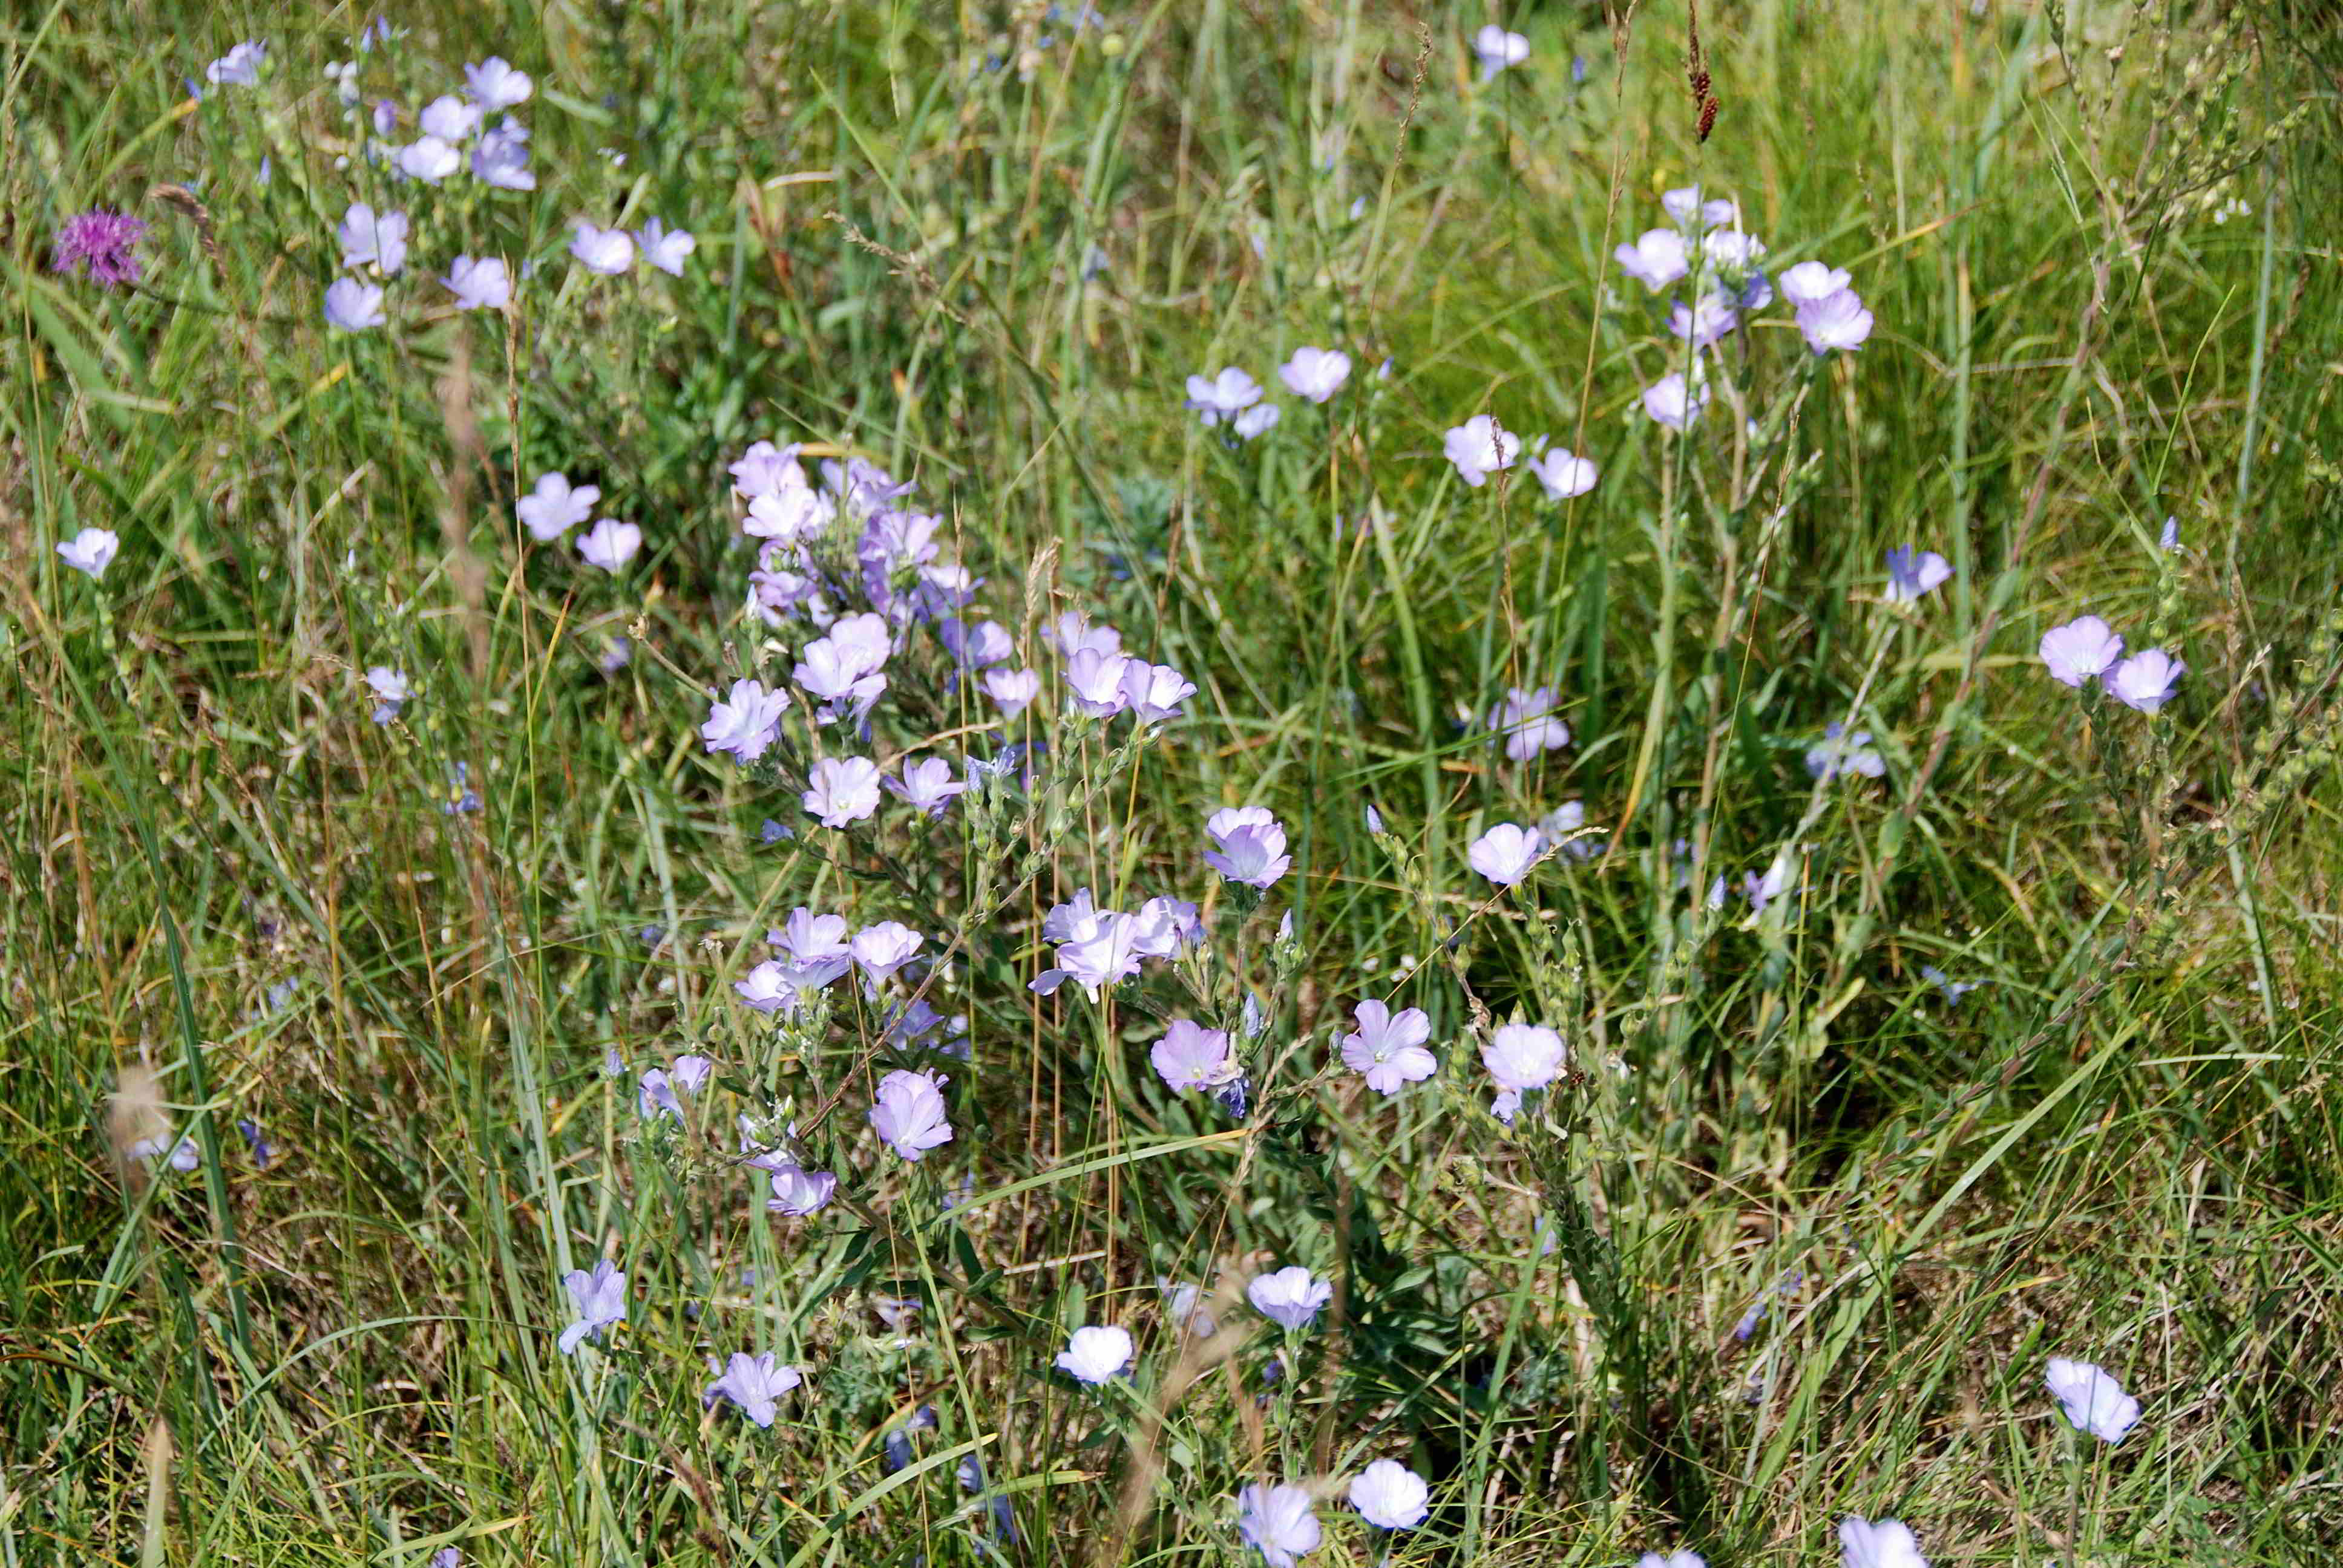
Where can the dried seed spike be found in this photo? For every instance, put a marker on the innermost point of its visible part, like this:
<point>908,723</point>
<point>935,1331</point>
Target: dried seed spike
<point>1707,118</point>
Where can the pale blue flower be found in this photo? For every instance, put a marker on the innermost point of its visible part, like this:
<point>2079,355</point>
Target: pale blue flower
<point>479,282</point>
<point>1842,753</point>
<point>1506,853</point>
<point>1657,259</point>
<point>495,86</point>
<point>449,118</point>
<point>556,506</point>
<point>1390,1496</point>
<point>842,789</point>
<point>608,251</point>
<point>2146,680</point>
<point>1290,1297</point>
<point>428,158</point>
<point>878,950</point>
<point>1254,421</point>
<point>927,786</point>
<point>1096,1353</point>
<point>1249,846</point>
<point>90,551</point>
<point>1914,573</point>
<point>1812,282</point>
<point>1222,396</point>
<point>755,1384</point>
<point>1561,474</point>
<point>1478,447</point>
<point>2080,649</point>
<point>372,238</point>
<point>1387,1049</point>
<point>1704,321</point>
<point>1190,1056</point>
<point>1315,375</point>
<point>1670,402</point>
<point>1878,1544</point>
<point>1277,1522</point>
<point>1497,50</point>
<point>500,158</point>
<point>1094,682</point>
<point>610,544</point>
<point>239,67</point>
<point>2169,539</point>
<point>1521,1056</point>
<point>1838,321</point>
<point>600,1299</point>
<point>747,723</point>
<point>909,1115</point>
<point>664,248</point>
<point>2090,1398</point>
<point>1526,720</point>
<point>354,306</point>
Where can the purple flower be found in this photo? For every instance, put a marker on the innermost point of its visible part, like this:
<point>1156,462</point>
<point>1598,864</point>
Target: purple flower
<point>1704,321</point>
<point>262,1151</point>
<point>2145,680</point>
<point>1098,952</point>
<point>798,1191</point>
<point>746,725</point>
<point>1249,846</point>
<point>555,507</point>
<point>1685,205</point>
<point>1154,691</point>
<point>1812,282</point>
<point>1843,753</point>
<point>665,247</point>
<point>842,789</point>
<point>1878,1544</point>
<point>765,470</point>
<point>1277,1521</point>
<point>755,1384</point>
<point>372,238</point>
<point>1836,321</point>
<point>1671,402</point>
<point>1256,420</point>
<point>1522,1056</point>
<point>1763,890</point>
<point>1189,1056</point>
<point>495,86</point>
<point>881,950</point>
<point>767,988</point>
<point>1073,632</point>
<point>481,283</point>
<point>1526,720</point>
<point>1290,1296</point>
<point>1095,1355</point>
<point>352,305</point>
<point>1478,447</point>
<point>1315,375</point>
<point>102,242</point>
<point>1657,259</point>
<point>239,67</point>
<point>1224,395</point>
<point>1562,473</point>
<point>1496,49</point>
<point>814,946</point>
<point>428,158</point>
<point>601,1299</point>
<point>610,544</point>
<point>500,158</point>
<point>1011,690</point>
<point>608,251</point>
<point>1506,853</point>
<point>657,1094</point>
<point>2169,538</point>
<point>1673,1560</point>
<point>1095,682</point>
<point>1390,1496</point>
<point>2080,649</point>
<point>1387,1049</point>
<point>390,689</point>
<point>909,1115</point>
<point>2091,1399</point>
<point>977,646</point>
<point>92,550</point>
<point>1912,574</point>
<point>928,786</point>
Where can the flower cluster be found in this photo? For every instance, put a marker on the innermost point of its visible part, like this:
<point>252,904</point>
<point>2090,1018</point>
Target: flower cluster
<point>2087,649</point>
<point>1232,397</point>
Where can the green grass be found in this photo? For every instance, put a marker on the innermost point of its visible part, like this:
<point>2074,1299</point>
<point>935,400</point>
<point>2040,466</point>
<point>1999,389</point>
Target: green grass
<point>2122,1146</point>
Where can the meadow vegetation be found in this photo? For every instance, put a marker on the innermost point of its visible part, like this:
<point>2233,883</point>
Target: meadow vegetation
<point>1316,782</point>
